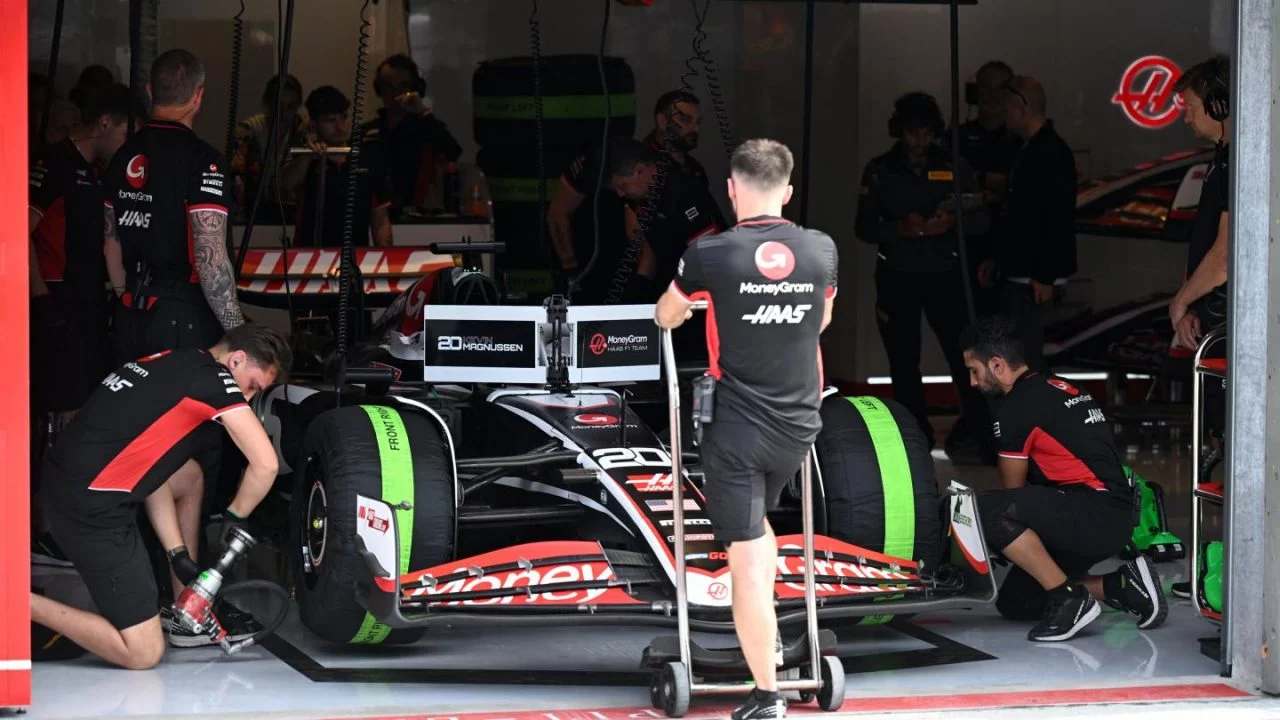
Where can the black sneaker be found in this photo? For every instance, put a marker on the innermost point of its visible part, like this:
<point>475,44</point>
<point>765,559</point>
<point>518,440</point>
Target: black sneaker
<point>180,637</point>
<point>1065,614</point>
<point>761,705</point>
<point>1138,591</point>
<point>1181,589</point>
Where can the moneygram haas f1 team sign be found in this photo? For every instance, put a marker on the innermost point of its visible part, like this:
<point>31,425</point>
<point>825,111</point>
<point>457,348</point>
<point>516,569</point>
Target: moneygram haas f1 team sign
<point>1146,93</point>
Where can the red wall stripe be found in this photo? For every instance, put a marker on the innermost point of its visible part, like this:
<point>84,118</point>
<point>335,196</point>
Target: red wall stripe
<point>15,409</point>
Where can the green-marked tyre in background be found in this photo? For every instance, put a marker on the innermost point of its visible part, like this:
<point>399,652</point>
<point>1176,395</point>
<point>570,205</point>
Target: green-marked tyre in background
<point>382,452</point>
<point>573,102</point>
<point>877,476</point>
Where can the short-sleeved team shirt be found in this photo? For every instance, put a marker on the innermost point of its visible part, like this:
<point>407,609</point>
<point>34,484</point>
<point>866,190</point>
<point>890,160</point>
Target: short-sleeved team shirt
<point>156,179</point>
<point>136,430</point>
<point>1059,427</point>
<point>766,282</point>
<point>65,189</point>
<point>1214,200</point>
<point>373,191</point>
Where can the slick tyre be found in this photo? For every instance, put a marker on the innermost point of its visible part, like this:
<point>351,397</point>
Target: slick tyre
<point>878,480</point>
<point>573,101</point>
<point>384,452</point>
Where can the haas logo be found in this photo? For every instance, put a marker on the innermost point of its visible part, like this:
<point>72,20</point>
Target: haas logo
<point>775,260</point>
<point>1146,92</point>
<point>1064,386</point>
<point>136,171</point>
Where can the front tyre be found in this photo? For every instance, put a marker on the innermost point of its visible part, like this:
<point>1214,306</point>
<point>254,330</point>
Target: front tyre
<point>382,453</point>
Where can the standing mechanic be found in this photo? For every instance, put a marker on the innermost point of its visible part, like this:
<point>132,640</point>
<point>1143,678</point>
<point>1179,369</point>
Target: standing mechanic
<point>132,445</point>
<point>166,224</point>
<point>1201,302</point>
<point>325,226</point>
<point>677,121</point>
<point>907,209</point>
<point>1200,305</point>
<point>1067,503</point>
<point>68,273</point>
<point>772,285</point>
<point>989,147</point>
<point>1037,253</point>
<point>683,211</point>
<point>415,139</point>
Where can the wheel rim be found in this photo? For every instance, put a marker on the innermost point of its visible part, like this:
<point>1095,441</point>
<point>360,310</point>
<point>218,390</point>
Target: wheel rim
<point>315,528</point>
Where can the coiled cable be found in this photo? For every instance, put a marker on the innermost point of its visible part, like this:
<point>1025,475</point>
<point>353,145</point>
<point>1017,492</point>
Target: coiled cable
<point>348,272</point>
<point>535,50</point>
<point>277,157</point>
<point>713,79</point>
<point>233,103</point>
<point>602,160</point>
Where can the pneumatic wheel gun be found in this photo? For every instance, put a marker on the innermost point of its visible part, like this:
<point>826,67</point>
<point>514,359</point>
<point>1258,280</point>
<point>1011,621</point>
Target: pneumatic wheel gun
<point>194,607</point>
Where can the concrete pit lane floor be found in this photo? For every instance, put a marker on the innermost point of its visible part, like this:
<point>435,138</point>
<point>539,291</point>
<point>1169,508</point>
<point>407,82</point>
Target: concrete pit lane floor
<point>952,665</point>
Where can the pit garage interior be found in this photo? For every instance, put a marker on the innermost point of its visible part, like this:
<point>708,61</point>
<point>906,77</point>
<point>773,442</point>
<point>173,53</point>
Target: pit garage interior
<point>820,76</point>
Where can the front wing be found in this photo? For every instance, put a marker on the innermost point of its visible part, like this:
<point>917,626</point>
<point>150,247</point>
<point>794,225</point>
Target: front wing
<point>570,580</point>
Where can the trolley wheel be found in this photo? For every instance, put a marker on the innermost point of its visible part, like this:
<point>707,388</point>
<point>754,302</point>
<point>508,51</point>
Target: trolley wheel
<point>831,696</point>
<point>669,689</point>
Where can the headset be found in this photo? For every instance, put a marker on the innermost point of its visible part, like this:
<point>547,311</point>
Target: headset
<point>917,105</point>
<point>1217,98</point>
<point>401,61</point>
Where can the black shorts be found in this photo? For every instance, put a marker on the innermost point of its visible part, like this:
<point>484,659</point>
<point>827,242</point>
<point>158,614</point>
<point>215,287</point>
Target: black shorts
<point>746,472</point>
<point>1079,527</point>
<point>113,562</point>
<point>170,324</point>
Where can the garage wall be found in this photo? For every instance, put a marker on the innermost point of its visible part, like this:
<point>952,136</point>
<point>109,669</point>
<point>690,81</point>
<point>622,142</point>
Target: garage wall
<point>866,56</point>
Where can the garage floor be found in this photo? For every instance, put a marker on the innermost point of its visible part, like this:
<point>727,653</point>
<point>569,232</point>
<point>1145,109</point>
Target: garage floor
<point>966,662</point>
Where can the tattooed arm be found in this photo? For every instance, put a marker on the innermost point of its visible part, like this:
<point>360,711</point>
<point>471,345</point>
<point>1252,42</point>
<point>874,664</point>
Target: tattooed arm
<point>113,252</point>
<point>209,237</point>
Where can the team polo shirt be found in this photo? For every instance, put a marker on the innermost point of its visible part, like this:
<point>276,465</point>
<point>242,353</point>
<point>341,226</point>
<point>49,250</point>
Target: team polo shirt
<point>1060,428</point>
<point>766,282</point>
<point>65,190</point>
<point>156,179</point>
<point>136,430</point>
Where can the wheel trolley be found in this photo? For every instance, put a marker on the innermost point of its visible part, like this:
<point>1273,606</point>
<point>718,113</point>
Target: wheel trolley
<point>676,681</point>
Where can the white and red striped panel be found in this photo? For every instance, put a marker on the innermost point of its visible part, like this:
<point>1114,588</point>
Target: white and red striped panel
<point>314,271</point>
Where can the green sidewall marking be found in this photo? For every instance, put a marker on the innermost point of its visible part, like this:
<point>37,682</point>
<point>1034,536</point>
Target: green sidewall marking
<point>520,190</point>
<point>554,107</point>
<point>396,461</point>
<point>895,477</point>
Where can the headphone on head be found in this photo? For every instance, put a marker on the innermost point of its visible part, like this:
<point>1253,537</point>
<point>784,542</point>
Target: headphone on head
<point>913,106</point>
<point>1217,99</point>
<point>401,62</point>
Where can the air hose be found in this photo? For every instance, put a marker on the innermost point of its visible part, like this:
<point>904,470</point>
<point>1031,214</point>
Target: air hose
<point>348,272</point>
<point>276,622</point>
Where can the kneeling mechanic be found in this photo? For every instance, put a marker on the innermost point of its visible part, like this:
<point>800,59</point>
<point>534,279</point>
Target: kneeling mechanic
<point>771,284</point>
<point>1067,502</point>
<point>134,443</point>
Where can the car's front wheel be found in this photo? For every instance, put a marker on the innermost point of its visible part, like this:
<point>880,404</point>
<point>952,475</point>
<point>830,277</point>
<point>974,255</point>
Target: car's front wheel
<point>382,453</point>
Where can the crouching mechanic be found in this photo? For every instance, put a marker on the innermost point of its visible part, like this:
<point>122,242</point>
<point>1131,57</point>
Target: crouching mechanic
<point>1067,502</point>
<point>133,443</point>
<point>770,285</point>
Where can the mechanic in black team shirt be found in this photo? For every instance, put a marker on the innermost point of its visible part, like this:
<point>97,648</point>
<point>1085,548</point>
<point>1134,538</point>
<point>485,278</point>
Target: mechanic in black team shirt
<point>132,445</point>
<point>166,224</point>
<point>770,286</point>
<point>69,300</point>
<point>1067,503</point>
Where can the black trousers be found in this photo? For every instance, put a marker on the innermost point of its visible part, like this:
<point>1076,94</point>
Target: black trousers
<point>901,298</point>
<point>1020,305</point>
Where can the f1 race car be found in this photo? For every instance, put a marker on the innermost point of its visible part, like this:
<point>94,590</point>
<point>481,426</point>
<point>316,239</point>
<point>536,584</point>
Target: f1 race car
<point>486,463</point>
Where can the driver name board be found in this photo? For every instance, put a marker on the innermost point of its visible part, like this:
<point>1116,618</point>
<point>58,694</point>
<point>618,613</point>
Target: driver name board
<point>480,343</point>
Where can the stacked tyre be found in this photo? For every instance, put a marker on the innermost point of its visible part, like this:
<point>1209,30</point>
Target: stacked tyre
<point>574,108</point>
